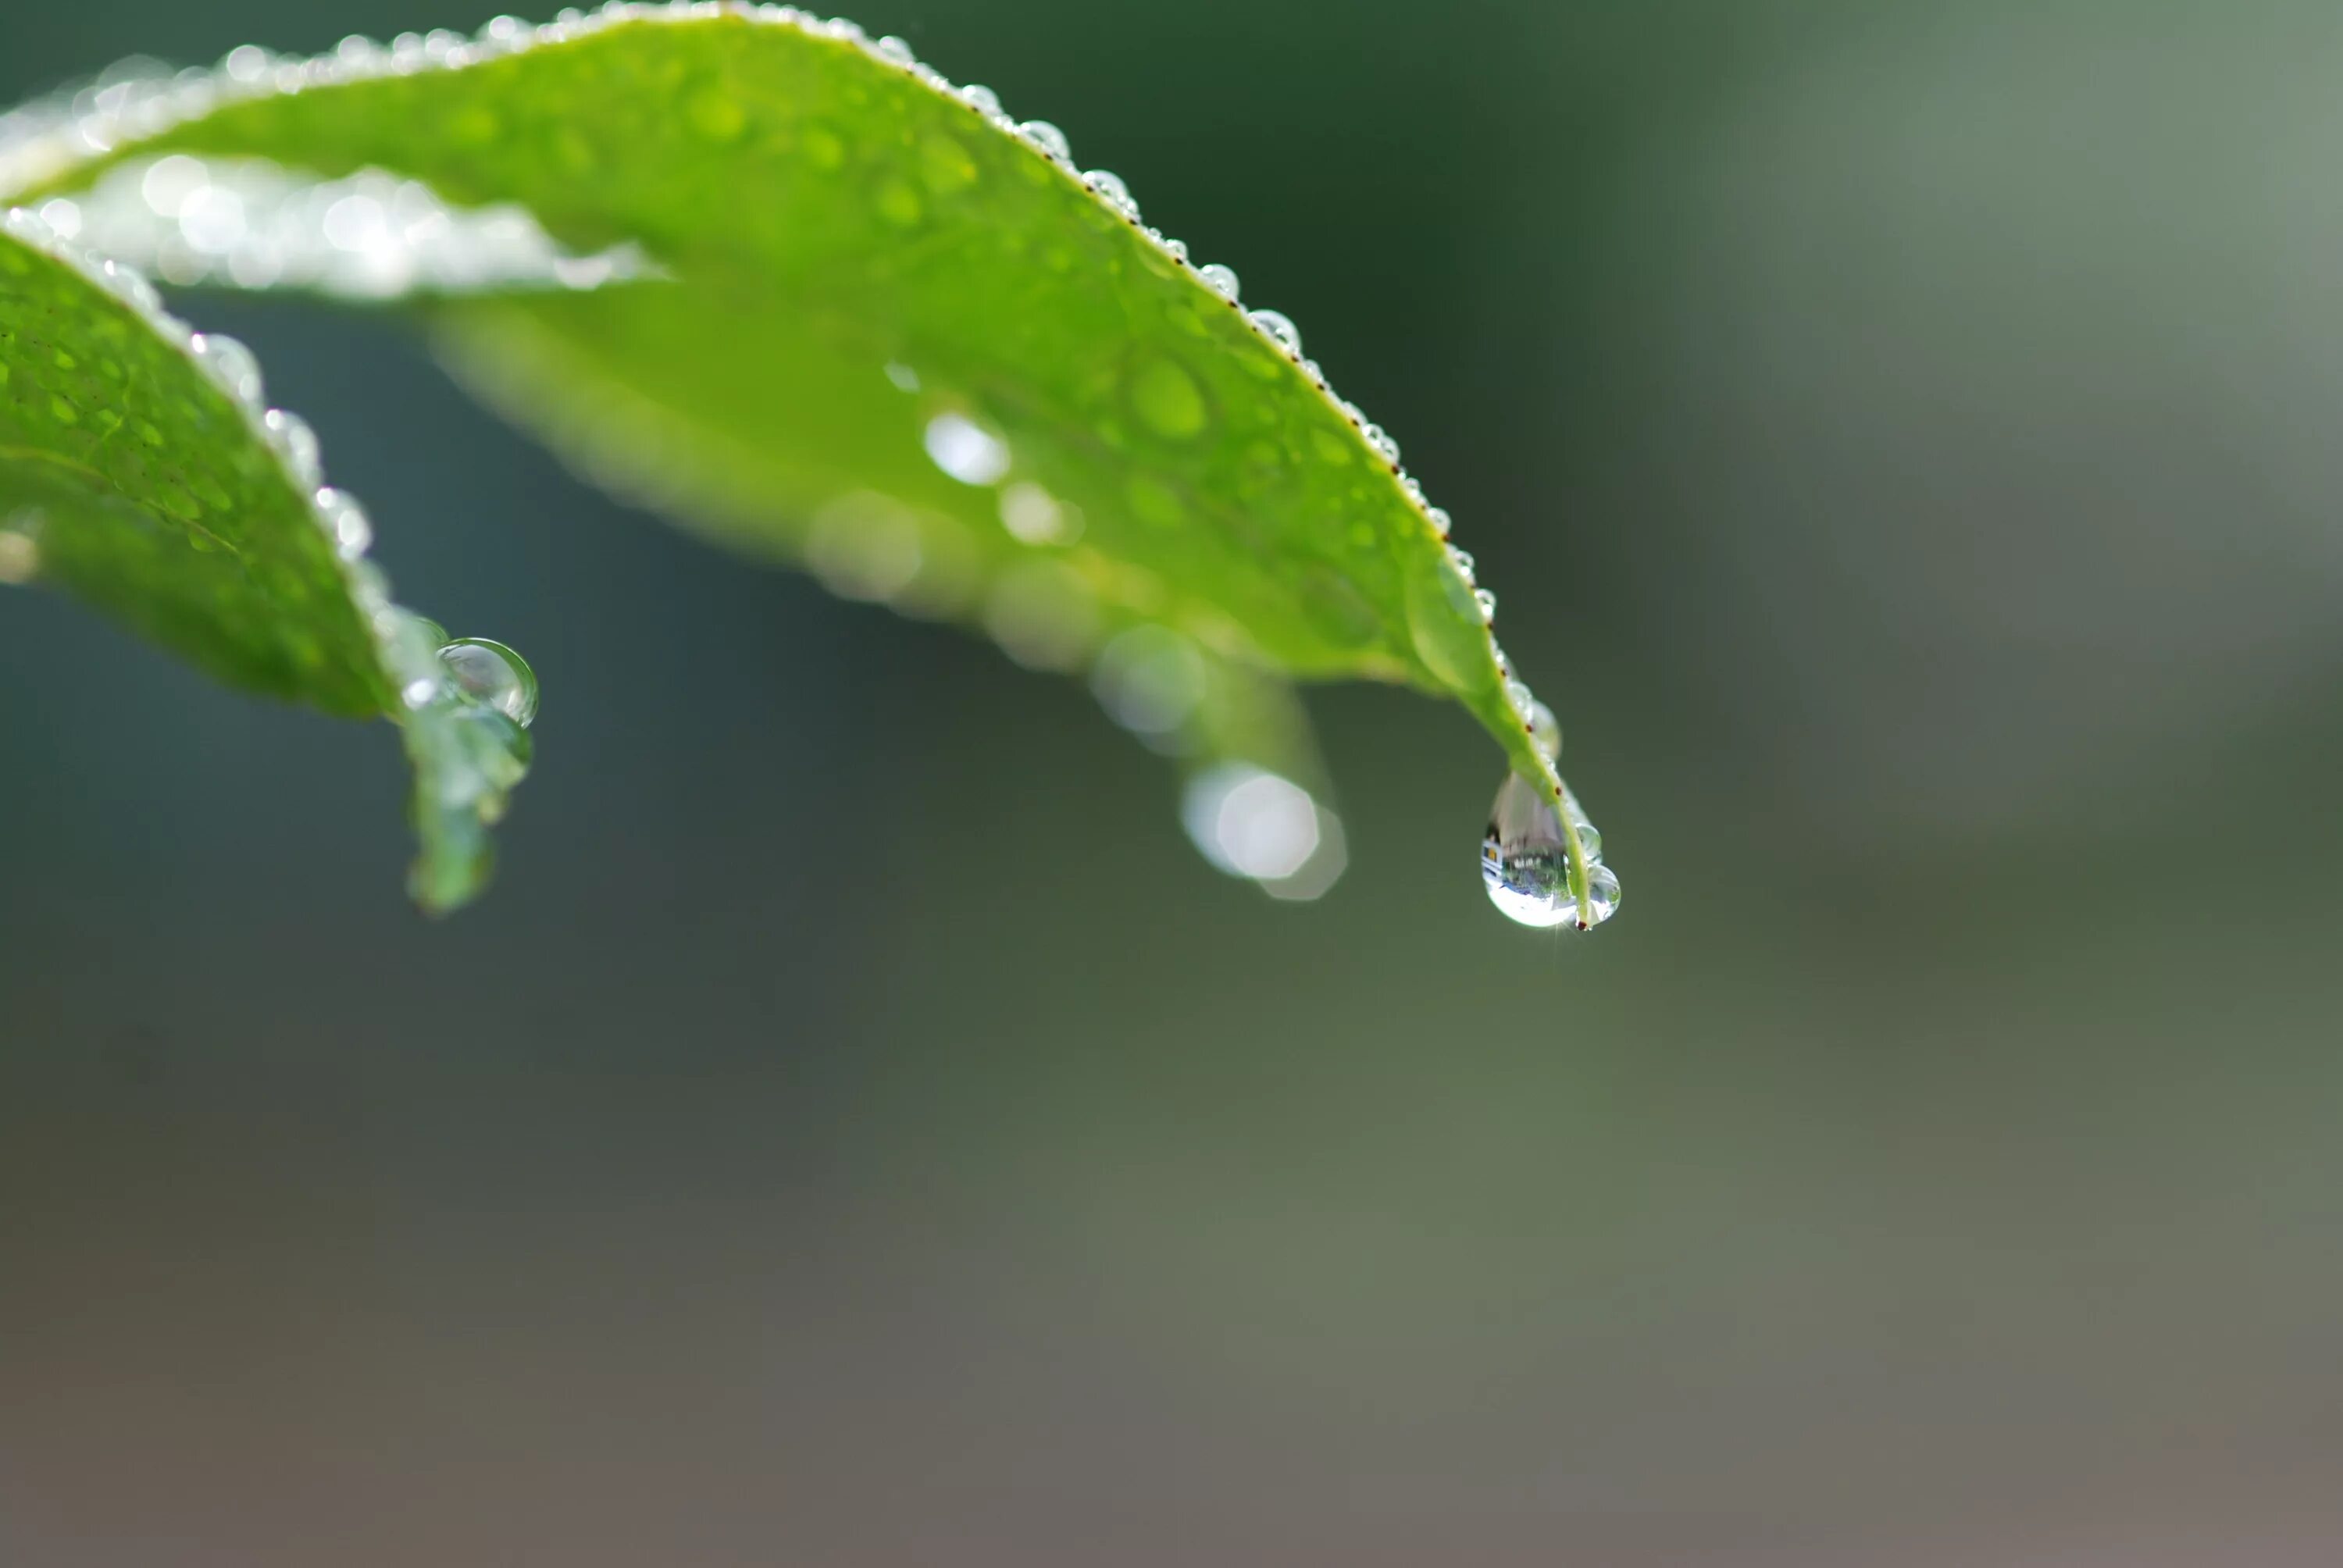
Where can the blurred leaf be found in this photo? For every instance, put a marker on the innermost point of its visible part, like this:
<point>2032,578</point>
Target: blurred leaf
<point>137,472</point>
<point>891,336</point>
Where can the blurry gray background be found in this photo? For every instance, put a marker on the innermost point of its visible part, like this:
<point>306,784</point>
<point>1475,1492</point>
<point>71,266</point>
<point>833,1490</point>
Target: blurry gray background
<point>859,1130</point>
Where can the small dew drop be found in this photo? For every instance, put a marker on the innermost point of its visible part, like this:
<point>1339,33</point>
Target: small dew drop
<point>1049,138</point>
<point>1590,842</point>
<point>966,450</point>
<point>1545,732</point>
<point>1438,518</point>
<point>297,444</point>
<point>131,287</point>
<point>1602,894</point>
<point>230,365</point>
<point>1280,325</point>
<point>62,215</point>
<point>344,522</point>
<point>1220,279</point>
<point>1113,191</point>
<point>491,673</point>
<point>1488,603</point>
<point>983,100</point>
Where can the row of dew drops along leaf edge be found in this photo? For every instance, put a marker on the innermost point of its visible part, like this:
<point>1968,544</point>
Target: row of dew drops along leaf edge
<point>47,139</point>
<point>469,677</point>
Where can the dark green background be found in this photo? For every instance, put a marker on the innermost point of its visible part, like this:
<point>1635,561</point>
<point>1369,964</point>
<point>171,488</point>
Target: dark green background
<point>858,1129</point>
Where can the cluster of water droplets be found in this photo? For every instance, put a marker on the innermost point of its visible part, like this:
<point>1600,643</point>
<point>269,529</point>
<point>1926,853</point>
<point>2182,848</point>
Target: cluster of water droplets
<point>44,140</point>
<point>476,696</point>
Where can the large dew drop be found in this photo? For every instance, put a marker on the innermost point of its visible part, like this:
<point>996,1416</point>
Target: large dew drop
<point>1525,860</point>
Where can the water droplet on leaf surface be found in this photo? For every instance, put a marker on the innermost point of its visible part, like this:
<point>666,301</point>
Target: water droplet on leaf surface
<point>1049,138</point>
<point>1545,733</point>
<point>1280,325</point>
<point>230,365</point>
<point>1113,191</point>
<point>297,444</point>
<point>345,522</point>
<point>488,672</point>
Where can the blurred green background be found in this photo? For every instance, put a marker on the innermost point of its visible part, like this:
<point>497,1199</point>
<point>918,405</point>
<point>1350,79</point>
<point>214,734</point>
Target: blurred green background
<point>860,1131</point>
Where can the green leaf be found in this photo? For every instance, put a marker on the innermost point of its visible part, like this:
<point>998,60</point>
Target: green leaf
<point>883,330</point>
<point>139,472</point>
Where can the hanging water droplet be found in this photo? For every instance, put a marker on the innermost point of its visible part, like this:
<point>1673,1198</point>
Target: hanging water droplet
<point>489,672</point>
<point>1525,857</point>
<point>1590,842</point>
<point>1220,279</point>
<point>1545,733</point>
<point>1050,139</point>
<point>230,365</point>
<point>1602,894</point>
<point>1280,325</point>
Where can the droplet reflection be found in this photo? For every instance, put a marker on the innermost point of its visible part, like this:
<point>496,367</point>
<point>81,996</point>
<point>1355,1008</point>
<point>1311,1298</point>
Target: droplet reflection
<point>1525,860</point>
